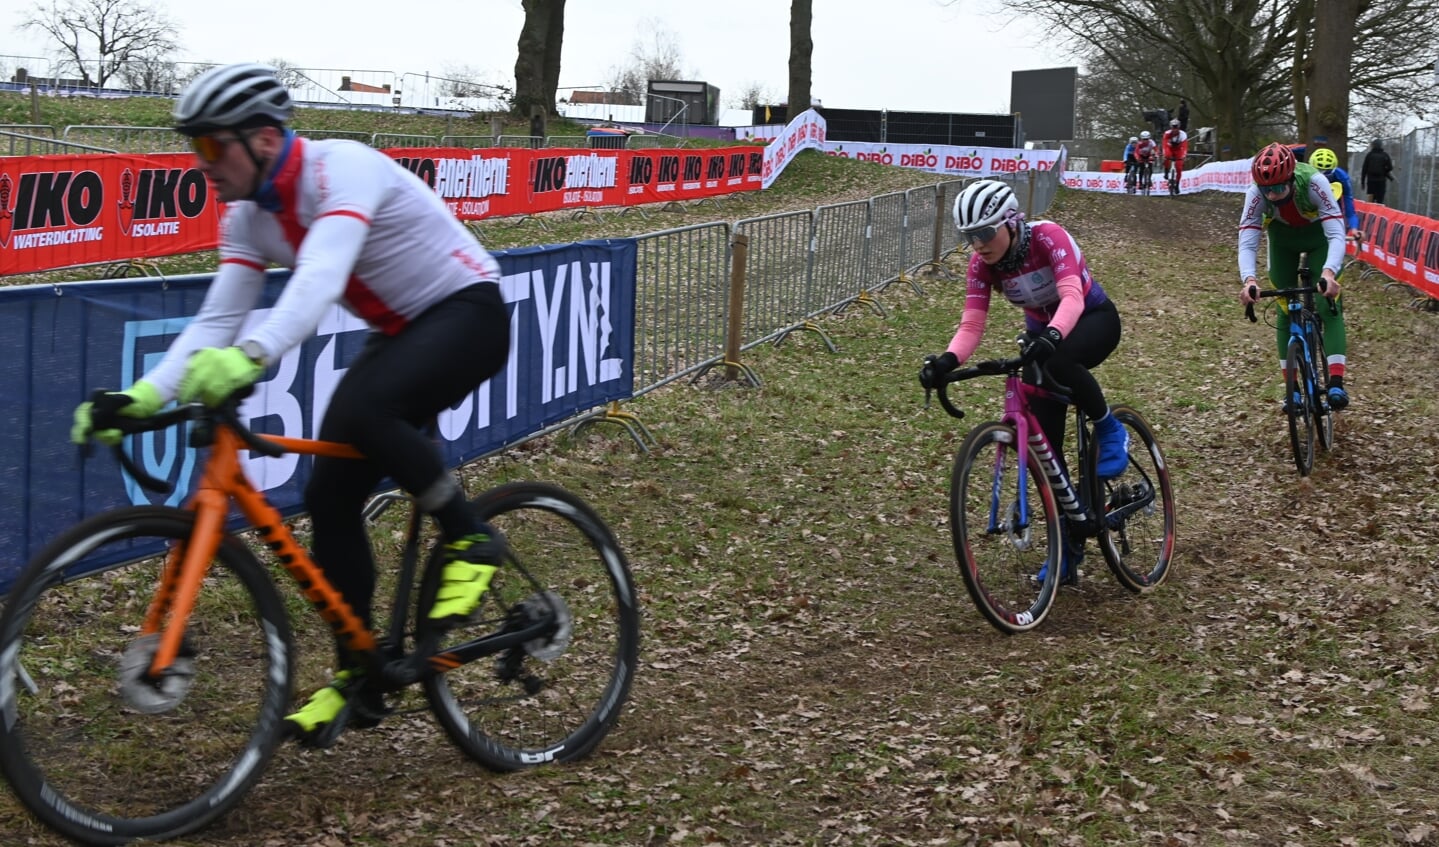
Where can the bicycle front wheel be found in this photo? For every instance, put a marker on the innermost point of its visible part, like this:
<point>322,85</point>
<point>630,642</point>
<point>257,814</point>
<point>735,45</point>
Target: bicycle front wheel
<point>100,754</point>
<point>554,697</point>
<point>1137,511</point>
<point>1298,408</point>
<point>1323,417</point>
<point>1004,535</point>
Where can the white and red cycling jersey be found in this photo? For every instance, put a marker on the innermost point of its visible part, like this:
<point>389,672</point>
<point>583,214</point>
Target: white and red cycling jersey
<point>1175,144</point>
<point>1145,150</point>
<point>357,229</point>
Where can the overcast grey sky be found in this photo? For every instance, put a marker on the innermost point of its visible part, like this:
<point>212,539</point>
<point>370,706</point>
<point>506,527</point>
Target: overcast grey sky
<point>896,54</point>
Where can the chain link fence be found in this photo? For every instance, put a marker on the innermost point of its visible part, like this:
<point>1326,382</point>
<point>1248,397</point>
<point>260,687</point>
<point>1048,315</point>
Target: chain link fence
<point>1416,172</point>
<point>697,303</point>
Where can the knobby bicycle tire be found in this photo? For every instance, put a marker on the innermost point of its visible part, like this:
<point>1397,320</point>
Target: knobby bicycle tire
<point>1000,566</point>
<point>555,698</point>
<point>1323,416</point>
<point>1298,407</point>
<point>1136,510</point>
<point>106,761</point>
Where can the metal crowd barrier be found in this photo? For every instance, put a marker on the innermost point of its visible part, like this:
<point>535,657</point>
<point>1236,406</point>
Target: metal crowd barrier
<point>127,139</point>
<point>795,268</point>
<point>1415,188</point>
<point>22,144</point>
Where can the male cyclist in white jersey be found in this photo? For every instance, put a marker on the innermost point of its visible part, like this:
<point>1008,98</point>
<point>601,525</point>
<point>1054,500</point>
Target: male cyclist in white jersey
<point>359,230</point>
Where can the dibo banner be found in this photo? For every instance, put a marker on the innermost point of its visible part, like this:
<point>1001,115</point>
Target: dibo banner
<point>572,350</point>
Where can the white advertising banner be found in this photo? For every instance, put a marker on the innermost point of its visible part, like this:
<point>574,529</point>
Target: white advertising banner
<point>1211,176</point>
<point>952,161</point>
<point>805,132</point>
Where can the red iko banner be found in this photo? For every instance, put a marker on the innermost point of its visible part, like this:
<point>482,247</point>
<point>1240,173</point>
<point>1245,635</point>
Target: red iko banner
<point>62,211</point>
<point>1404,246</point>
<point>58,211</point>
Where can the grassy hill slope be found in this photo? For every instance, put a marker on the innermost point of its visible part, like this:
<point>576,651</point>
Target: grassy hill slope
<point>813,672</point>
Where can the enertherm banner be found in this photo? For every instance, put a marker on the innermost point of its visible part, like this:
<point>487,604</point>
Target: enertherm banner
<point>572,350</point>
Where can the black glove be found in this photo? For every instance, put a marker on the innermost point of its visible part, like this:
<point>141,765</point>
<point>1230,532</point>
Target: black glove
<point>1041,344</point>
<point>931,376</point>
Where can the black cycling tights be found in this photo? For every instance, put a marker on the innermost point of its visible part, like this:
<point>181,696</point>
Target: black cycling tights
<point>1092,339</point>
<point>393,389</point>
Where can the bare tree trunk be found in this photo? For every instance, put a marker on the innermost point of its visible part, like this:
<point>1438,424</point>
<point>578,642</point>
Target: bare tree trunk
<point>1302,71</point>
<point>555,37</point>
<point>1329,85</point>
<point>801,52</point>
<point>536,71</point>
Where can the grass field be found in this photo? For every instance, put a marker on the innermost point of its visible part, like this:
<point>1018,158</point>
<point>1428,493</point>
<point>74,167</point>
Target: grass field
<point>813,672</point>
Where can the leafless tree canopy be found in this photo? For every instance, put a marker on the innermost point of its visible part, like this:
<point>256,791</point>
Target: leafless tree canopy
<point>753,94</point>
<point>101,36</point>
<point>1247,66</point>
<point>655,54</point>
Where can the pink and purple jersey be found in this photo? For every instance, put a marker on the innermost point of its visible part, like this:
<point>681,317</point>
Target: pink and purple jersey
<point>1052,285</point>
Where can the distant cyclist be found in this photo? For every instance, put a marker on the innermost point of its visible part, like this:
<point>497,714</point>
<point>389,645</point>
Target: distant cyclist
<point>1293,203</point>
<point>1146,152</point>
<point>1175,144</point>
<point>1131,164</point>
<point>361,231</point>
<point>1071,324</point>
<point>1328,164</point>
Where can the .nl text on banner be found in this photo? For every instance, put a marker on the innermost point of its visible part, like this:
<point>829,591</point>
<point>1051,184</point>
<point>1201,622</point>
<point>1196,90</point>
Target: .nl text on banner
<point>572,350</point>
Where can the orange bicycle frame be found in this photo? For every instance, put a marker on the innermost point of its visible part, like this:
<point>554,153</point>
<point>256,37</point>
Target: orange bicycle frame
<point>223,481</point>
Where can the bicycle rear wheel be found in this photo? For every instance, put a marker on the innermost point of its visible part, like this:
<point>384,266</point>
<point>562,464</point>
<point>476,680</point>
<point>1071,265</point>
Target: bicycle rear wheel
<point>100,755</point>
<point>1137,511</point>
<point>553,698</point>
<point>1003,537</point>
<point>1298,408</point>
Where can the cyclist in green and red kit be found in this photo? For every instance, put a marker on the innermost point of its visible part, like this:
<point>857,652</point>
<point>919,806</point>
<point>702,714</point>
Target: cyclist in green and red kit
<point>1292,202</point>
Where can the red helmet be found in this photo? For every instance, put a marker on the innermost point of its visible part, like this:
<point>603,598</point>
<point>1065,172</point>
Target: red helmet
<point>1274,165</point>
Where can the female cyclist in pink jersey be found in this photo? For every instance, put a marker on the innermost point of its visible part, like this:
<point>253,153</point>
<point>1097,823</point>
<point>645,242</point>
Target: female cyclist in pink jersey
<point>1071,324</point>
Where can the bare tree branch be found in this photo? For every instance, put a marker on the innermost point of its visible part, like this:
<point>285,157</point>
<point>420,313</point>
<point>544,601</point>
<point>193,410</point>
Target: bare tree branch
<point>101,36</point>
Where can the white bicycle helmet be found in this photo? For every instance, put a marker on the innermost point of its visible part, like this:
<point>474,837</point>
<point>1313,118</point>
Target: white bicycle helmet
<point>233,97</point>
<point>1144,134</point>
<point>984,203</point>
<point>1133,138</point>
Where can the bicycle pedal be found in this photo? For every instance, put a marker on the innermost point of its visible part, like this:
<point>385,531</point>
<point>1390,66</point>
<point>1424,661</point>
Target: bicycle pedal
<point>321,737</point>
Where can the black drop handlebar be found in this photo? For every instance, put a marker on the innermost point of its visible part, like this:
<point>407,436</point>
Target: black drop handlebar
<point>1287,293</point>
<point>988,367</point>
<point>204,419</point>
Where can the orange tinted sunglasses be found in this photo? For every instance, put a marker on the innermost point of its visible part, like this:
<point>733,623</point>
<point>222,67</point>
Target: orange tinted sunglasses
<point>210,147</point>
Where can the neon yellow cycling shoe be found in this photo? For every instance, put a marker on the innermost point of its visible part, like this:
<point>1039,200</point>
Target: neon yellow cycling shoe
<point>466,575</point>
<point>346,701</point>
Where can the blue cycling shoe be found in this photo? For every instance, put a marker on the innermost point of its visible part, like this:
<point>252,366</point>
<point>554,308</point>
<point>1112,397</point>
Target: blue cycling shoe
<point>1071,557</point>
<point>1113,444</point>
<point>1338,398</point>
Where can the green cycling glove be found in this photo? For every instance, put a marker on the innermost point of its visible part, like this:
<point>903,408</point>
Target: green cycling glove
<point>140,400</point>
<point>214,373</point>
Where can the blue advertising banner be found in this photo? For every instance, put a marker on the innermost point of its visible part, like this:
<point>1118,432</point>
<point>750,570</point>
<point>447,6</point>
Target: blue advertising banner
<point>572,350</point>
